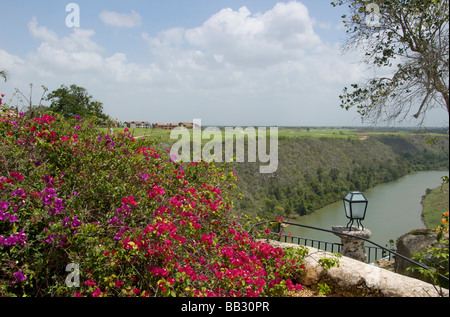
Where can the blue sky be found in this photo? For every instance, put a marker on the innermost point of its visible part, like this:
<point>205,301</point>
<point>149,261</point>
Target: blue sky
<point>236,62</point>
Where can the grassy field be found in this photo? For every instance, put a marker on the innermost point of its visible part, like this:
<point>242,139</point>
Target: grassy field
<point>434,204</point>
<point>355,134</point>
<point>283,132</point>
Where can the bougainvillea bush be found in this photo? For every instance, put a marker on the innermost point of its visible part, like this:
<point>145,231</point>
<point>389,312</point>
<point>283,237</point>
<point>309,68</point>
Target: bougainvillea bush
<point>133,221</point>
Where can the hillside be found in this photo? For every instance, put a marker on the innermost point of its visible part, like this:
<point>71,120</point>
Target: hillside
<point>318,166</point>
<point>314,172</point>
<point>435,203</point>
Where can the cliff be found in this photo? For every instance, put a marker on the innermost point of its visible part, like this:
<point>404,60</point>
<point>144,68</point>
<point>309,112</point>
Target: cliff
<point>313,172</point>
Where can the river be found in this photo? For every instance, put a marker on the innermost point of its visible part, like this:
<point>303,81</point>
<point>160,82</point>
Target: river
<point>394,209</point>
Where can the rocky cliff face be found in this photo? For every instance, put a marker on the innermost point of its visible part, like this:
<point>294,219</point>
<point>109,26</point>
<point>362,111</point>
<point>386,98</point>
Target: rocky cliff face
<point>412,242</point>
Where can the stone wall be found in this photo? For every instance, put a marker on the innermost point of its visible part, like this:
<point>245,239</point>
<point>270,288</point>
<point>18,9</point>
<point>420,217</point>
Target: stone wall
<point>357,279</point>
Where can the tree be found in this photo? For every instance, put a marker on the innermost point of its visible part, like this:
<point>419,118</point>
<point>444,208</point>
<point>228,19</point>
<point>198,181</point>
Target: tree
<point>3,74</point>
<point>74,100</point>
<point>407,39</point>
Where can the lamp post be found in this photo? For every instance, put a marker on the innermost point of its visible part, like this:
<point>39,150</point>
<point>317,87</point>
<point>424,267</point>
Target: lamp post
<point>355,206</point>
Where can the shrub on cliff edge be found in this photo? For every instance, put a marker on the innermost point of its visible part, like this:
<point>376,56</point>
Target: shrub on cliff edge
<point>132,221</point>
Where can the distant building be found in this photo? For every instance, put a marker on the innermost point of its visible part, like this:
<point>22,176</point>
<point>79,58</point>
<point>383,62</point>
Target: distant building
<point>186,124</point>
<point>171,126</point>
<point>137,124</point>
<point>160,125</point>
<point>8,113</point>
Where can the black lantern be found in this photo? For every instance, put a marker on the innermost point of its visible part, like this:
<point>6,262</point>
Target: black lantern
<point>355,205</point>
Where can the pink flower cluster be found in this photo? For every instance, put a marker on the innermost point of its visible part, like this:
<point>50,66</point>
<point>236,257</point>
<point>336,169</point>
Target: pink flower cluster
<point>16,238</point>
<point>139,223</point>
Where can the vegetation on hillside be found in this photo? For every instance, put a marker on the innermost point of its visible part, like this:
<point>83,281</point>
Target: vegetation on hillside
<point>435,203</point>
<point>314,172</point>
<point>319,166</point>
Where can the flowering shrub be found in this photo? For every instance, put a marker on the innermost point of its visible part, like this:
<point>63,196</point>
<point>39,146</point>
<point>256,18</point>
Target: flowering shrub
<point>436,257</point>
<point>136,223</point>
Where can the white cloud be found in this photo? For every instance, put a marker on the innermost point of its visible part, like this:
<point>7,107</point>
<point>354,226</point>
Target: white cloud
<point>75,58</point>
<point>79,40</point>
<point>41,32</point>
<point>121,19</point>
<point>74,53</point>
<point>10,62</point>
<point>236,68</point>
<point>260,53</point>
<point>259,40</point>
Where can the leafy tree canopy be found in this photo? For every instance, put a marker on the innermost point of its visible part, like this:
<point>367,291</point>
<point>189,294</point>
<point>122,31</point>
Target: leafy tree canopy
<point>408,40</point>
<point>72,101</point>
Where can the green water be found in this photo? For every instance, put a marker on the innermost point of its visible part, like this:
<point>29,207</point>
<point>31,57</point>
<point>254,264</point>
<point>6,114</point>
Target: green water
<point>394,209</point>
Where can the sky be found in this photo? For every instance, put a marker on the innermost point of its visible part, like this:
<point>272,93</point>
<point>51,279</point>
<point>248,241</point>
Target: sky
<point>226,62</point>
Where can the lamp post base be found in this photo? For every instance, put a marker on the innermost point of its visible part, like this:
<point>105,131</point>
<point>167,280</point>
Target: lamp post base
<point>353,247</point>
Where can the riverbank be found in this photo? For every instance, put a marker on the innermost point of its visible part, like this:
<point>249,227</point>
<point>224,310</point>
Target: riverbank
<point>394,209</point>
<point>314,172</point>
<point>434,203</point>
<point>317,167</point>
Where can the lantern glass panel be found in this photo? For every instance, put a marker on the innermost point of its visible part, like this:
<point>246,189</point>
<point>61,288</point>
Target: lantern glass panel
<point>358,197</point>
<point>358,209</point>
<point>347,208</point>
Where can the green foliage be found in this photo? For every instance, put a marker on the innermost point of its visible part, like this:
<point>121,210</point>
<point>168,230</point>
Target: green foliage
<point>436,258</point>
<point>434,203</point>
<point>410,41</point>
<point>323,289</point>
<point>74,100</point>
<point>327,263</point>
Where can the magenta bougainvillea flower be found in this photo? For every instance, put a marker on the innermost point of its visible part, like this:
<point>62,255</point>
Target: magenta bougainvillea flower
<point>136,222</point>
